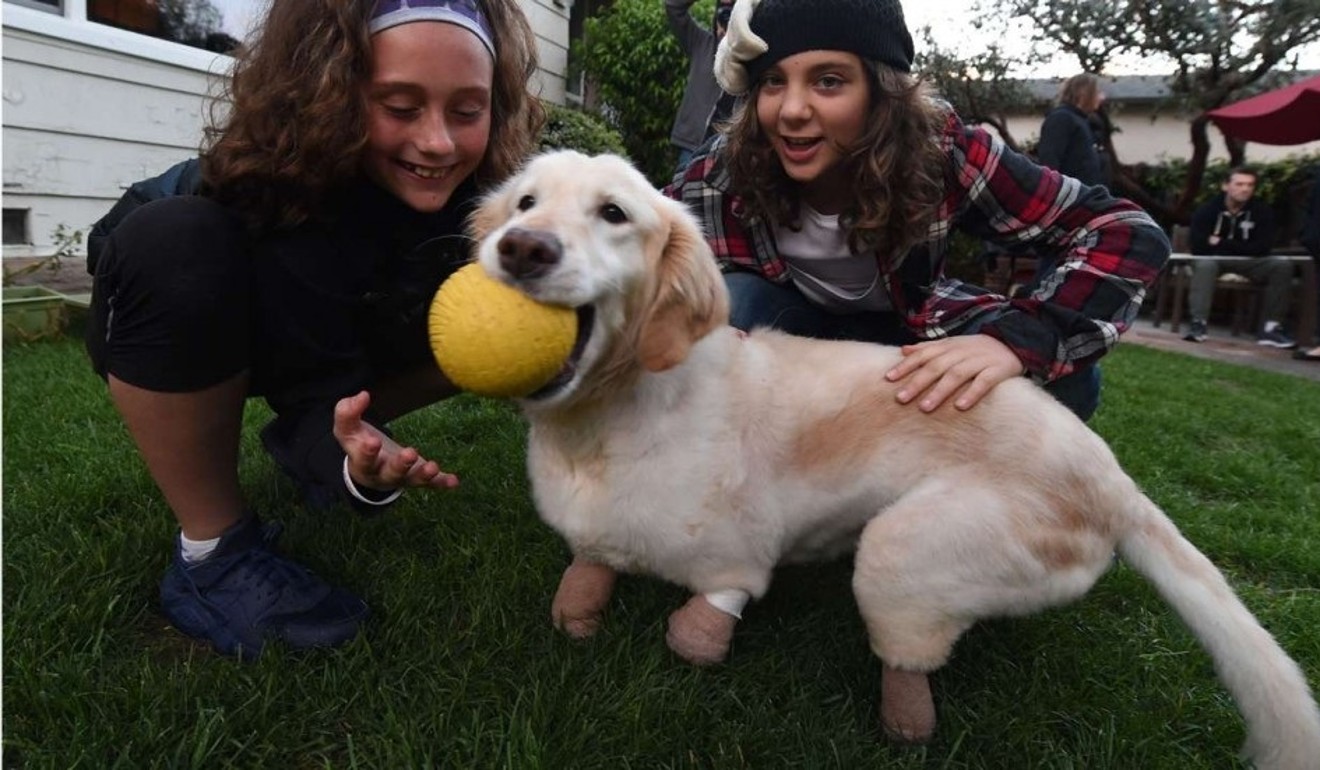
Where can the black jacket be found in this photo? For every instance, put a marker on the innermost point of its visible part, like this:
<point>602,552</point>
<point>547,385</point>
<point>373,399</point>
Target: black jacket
<point>1068,145</point>
<point>1250,232</point>
<point>345,301</point>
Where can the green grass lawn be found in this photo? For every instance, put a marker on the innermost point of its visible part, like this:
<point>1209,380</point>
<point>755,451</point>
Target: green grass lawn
<point>460,667</point>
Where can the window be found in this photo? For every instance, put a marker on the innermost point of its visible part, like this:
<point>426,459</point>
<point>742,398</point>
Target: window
<point>213,25</point>
<point>575,81</point>
<point>16,227</point>
<point>196,23</point>
<point>54,6</point>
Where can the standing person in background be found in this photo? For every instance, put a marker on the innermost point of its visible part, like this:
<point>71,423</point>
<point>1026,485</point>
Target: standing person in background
<point>1068,141</point>
<point>1070,144</point>
<point>704,104</point>
<point>334,192</point>
<point>1237,224</point>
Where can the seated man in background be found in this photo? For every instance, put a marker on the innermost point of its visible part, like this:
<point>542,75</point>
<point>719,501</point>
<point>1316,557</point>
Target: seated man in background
<point>1235,224</point>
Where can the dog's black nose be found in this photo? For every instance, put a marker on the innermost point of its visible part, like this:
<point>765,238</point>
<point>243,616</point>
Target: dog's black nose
<point>528,253</point>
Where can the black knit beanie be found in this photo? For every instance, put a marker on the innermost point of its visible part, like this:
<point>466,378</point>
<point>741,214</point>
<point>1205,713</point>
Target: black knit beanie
<point>872,29</point>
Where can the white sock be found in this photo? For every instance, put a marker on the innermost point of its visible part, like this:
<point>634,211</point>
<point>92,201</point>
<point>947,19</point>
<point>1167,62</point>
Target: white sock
<point>1271,326</point>
<point>196,550</point>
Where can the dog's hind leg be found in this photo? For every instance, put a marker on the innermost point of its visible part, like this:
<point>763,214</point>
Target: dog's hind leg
<point>584,590</point>
<point>909,627</point>
<point>948,554</point>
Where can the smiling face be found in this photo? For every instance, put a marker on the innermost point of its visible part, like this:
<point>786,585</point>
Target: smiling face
<point>813,106</point>
<point>428,111</point>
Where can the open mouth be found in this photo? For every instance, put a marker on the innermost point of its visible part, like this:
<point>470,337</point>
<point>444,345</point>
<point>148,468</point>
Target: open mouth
<point>586,316</point>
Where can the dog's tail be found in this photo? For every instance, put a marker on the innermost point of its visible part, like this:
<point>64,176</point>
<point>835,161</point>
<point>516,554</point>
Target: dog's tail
<point>1283,722</point>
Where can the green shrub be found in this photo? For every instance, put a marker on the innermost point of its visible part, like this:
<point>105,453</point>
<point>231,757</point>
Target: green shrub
<point>570,129</point>
<point>639,72</point>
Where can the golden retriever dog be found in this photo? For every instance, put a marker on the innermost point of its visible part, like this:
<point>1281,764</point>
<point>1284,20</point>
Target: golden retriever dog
<point>676,446</point>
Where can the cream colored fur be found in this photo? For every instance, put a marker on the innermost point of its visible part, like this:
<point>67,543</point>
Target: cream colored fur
<point>689,451</point>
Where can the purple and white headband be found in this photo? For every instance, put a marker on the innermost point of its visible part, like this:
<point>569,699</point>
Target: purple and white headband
<point>463,13</point>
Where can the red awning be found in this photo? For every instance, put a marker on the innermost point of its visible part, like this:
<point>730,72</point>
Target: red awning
<point>1288,115</point>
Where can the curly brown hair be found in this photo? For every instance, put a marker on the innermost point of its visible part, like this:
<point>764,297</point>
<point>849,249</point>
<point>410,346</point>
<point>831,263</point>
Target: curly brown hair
<point>897,166</point>
<point>290,126</point>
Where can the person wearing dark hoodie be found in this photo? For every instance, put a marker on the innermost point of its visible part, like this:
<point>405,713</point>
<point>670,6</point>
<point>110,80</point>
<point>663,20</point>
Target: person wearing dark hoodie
<point>1236,224</point>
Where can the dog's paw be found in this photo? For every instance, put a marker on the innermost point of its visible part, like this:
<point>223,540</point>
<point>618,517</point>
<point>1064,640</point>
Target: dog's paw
<point>699,633</point>
<point>907,710</point>
<point>578,628</point>
<point>579,604</point>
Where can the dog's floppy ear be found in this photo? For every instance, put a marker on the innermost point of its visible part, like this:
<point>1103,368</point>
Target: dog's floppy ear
<point>688,297</point>
<point>490,213</point>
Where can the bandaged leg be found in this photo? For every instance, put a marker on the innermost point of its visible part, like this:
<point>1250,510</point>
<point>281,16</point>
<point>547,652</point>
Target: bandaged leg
<point>907,711</point>
<point>701,631</point>
<point>584,590</point>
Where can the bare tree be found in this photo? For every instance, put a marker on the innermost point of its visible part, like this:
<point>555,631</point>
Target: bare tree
<point>1218,51</point>
<point>978,86</point>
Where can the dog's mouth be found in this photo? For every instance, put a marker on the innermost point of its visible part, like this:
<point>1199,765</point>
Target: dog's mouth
<point>586,317</point>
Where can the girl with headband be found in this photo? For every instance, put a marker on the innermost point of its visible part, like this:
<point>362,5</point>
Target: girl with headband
<point>334,186</point>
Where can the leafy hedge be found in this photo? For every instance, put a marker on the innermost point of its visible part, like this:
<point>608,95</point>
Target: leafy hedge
<point>639,73</point>
<point>569,129</point>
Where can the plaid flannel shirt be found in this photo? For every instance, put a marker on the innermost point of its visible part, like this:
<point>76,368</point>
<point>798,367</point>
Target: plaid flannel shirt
<point>1110,250</point>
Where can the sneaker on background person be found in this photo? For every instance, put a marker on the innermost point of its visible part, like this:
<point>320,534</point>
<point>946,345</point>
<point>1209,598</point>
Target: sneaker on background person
<point>243,593</point>
<point>1274,336</point>
<point>1196,331</point>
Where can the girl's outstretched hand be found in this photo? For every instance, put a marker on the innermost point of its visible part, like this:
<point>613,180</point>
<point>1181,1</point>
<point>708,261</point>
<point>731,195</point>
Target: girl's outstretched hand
<point>968,366</point>
<point>375,460</point>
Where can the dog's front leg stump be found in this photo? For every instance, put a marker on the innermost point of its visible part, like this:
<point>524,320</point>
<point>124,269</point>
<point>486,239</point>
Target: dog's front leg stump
<point>907,711</point>
<point>701,631</point>
<point>584,590</point>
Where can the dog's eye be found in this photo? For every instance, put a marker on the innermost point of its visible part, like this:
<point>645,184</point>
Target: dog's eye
<point>613,214</point>
<point>526,202</point>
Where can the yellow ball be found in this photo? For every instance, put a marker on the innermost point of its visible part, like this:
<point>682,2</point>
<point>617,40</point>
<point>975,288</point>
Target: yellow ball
<point>491,339</point>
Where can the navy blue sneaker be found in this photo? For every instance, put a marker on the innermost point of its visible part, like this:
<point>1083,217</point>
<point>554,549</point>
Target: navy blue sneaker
<point>1274,336</point>
<point>245,593</point>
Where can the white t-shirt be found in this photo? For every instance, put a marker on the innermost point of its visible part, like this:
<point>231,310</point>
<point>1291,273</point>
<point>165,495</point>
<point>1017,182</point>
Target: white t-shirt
<point>825,271</point>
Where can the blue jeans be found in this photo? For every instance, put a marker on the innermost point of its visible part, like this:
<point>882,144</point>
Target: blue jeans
<point>754,301</point>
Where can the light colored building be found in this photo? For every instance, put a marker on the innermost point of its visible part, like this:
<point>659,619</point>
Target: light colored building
<point>97,95</point>
<point>1150,127</point>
